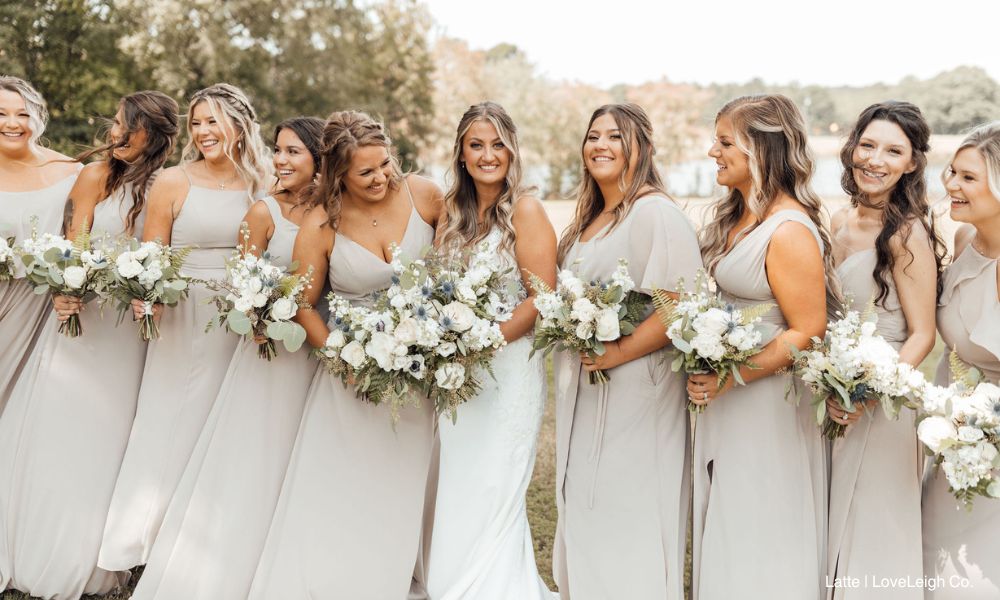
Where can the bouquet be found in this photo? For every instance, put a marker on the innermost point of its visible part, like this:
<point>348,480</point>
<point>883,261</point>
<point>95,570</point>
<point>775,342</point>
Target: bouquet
<point>6,258</point>
<point>260,299</point>
<point>70,268</point>
<point>961,430</point>
<point>428,332</point>
<point>709,334</point>
<point>582,316</point>
<point>146,271</point>
<point>853,364</point>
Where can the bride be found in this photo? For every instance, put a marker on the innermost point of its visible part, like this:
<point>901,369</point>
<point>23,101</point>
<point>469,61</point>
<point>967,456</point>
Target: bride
<point>481,544</point>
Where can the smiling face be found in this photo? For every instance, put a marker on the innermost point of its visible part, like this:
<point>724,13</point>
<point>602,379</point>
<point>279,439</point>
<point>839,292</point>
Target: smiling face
<point>208,133</point>
<point>883,155</point>
<point>604,151</point>
<point>135,143</point>
<point>484,155</point>
<point>293,164</point>
<point>732,163</point>
<point>15,122</point>
<point>968,187</point>
<point>368,175</point>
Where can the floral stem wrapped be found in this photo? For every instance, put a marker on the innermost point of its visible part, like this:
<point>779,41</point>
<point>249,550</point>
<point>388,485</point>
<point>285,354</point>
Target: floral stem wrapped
<point>7,255</point>
<point>260,298</point>
<point>855,365</point>
<point>149,272</point>
<point>709,334</point>
<point>581,317</point>
<point>960,428</point>
<point>60,266</point>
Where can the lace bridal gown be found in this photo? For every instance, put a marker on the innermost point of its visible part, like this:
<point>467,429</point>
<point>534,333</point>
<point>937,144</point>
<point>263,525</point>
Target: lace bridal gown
<point>481,545</point>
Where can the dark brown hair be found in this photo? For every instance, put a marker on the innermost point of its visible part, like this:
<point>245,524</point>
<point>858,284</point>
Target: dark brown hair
<point>309,130</point>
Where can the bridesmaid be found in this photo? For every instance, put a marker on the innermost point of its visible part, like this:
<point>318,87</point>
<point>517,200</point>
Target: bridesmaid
<point>61,490</point>
<point>886,250</point>
<point>621,448</point>
<point>34,181</point>
<point>759,468</point>
<point>241,456</point>
<point>481,546</point>
<point>962,548</point>
<point>348,520</point>
<point>199,203</point>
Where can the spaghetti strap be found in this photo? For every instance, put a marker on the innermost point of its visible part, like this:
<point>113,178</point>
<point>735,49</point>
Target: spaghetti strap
<point>409,194</point>
<point>184,170</point>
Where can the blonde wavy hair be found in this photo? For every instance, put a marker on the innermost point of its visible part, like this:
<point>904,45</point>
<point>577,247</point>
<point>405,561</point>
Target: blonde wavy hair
<point>461,202</point>
<point>635,128</point>
<point>986,140</point>
<point>34,103</point>
<point>770,130</point>
<point>343,134</point>
<point>243,143</point>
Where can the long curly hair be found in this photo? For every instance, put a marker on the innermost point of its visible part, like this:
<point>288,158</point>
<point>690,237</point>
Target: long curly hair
<point>770,130</point>
<point>154,113</point>
<point>461,202</point>
<point>242,144</point>
<point>343,133</point>
<point>907,204</point>
<point>635,127</point>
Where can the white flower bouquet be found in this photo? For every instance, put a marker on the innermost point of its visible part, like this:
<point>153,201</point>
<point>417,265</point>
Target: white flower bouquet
<point>709,334</point>
<point>853,364</point>
<point>70,268</point>
<point>960,428</point>
<point>424,336</point>
<point>6,258</point>
<point>260,298</point>
<point>581,316</point>
<point>146,271</point>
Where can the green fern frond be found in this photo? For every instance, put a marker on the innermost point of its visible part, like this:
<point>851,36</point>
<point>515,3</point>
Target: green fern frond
<point>750,314</point>
<point>82,241</point>
<point>963,372</point>
<point>869,313</point>
<point>666,307</point>
<point>538,283</point>
<point>178,256</point>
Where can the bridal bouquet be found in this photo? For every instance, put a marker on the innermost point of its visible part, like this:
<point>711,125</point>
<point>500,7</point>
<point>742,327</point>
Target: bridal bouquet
<point>581,316</point>
<point>6,258</point>
<point>962,432</point>
<point>427,333</point>
<point>146,271</point>
<point>260,298</point>
<point>853,364</point>
<point>70,268</point>
<point>709,334</point>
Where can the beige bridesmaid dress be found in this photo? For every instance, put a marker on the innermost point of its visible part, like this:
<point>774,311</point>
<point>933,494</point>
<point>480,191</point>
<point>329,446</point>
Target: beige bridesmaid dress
<point>62,438</point>
<point>622,448</point>
<point>874,535</point>
<point>759,463</point>
<point>347,523</point>
<point>216,524</point>
<point>962,548</point>
<point>22,312</point>
<point>184,370</point>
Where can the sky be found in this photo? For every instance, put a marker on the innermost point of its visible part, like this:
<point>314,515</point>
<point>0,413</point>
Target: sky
<point>845,42</point>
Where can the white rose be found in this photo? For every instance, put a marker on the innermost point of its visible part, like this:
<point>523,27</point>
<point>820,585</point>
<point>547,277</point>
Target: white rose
<point>969,434</point>
<point>336,339</point>
<point>259,300</point>
<point>708,346</point>
<point>446,348</point>
<point>450,376</point>
<point>353,354</point>
<point>713,321</point>
<point>460,316</point>
<point>384,349</point>
<point>406,331</point>
<point>572,283</point>
<point>934,431</point>
<point>242,304</point>
<point>284,309</point>
<point>75,277</point>
<point>465,294</point>
<point>255,285</point>
<point>398,301</point>
<point>127,267</point>
<point>150,276</point>
<point>583,310</point>
<point>607,326</point>
<point>584,331</point>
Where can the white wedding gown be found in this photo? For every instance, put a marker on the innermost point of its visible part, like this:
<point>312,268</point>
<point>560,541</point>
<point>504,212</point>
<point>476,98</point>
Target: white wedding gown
<point>481,545</point>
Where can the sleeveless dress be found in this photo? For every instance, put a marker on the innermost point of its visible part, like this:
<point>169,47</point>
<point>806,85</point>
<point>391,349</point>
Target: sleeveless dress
<point>481,546</point>
<point>348,520</point>
<point>184,370</point>
<point>215,526</point>
<point>962,548</point>
<point>62,438</point>
<point>875,475</point>
<point>22,312</point>
<point>621,449</point>
<point>759,463</point>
